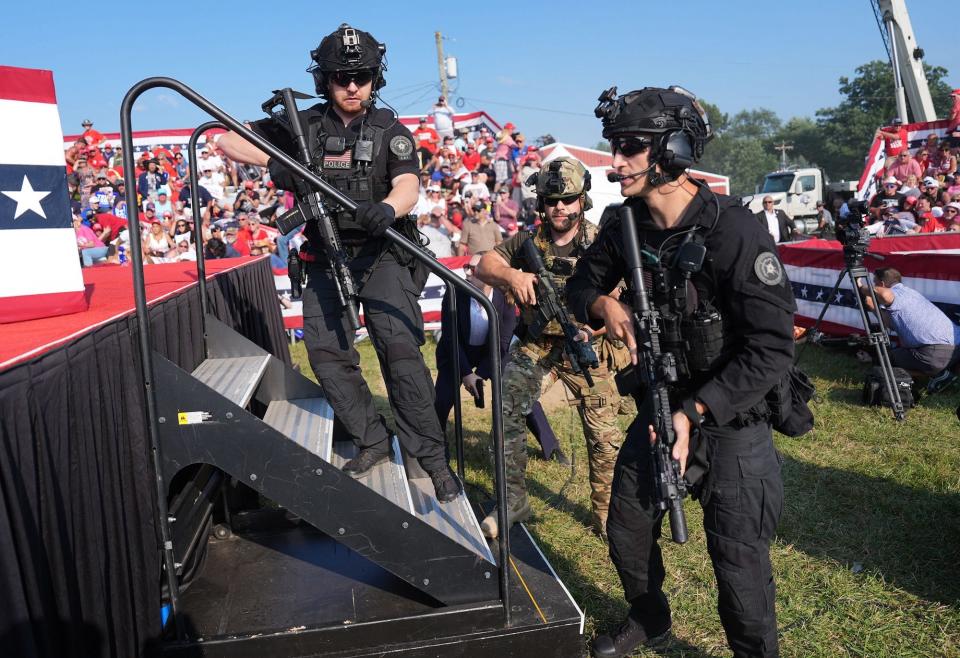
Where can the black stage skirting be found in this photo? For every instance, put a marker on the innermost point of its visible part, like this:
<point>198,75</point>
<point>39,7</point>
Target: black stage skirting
<point>79,546</point>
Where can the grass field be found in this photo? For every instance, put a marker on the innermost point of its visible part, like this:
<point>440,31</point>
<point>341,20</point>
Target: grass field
<point>867,555</point>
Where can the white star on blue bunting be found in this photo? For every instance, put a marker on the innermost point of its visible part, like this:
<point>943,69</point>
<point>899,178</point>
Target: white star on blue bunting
<point>27,199</point>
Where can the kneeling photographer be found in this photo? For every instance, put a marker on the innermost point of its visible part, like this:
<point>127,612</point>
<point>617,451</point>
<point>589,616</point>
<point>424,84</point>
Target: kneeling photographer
<point>929,343</point>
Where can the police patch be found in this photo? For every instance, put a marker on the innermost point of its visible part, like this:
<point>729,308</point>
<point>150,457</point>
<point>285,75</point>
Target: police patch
<point>768,269</point>
<point>341,161</point>
<point>401,147</point>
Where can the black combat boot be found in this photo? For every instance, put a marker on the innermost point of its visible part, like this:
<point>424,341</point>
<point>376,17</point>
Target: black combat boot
<point>446,484</point>
<point>366,459</point>
<point>626,637</point>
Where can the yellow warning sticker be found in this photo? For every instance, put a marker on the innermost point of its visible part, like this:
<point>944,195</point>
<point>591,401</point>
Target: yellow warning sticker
<point>192,417</point>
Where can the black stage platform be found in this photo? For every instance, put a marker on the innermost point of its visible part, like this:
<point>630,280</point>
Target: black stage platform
<point>79,545</point>
<point>292,591</point>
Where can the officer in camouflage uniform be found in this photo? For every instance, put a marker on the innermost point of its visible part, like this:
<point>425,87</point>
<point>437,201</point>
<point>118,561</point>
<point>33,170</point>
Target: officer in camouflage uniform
<point>537,362</point>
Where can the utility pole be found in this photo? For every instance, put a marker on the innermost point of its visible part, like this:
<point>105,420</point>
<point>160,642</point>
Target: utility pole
<point>783,147</point>
<point>441,64</point>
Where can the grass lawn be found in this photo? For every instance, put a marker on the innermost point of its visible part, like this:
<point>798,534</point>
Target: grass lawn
<point>867,555</point>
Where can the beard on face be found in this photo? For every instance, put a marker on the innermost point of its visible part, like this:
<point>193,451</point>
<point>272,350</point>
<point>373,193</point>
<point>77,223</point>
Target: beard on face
<point>562,224</point>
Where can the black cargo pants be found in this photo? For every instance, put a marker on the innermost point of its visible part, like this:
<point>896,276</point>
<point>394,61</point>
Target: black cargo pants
<point>742,500</point>
<point>393,319</point>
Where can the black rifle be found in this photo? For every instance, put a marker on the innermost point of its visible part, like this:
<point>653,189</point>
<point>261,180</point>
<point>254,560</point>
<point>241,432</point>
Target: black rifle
<point>657,369</point>
<point>313,208</point>
<point>550,307</point>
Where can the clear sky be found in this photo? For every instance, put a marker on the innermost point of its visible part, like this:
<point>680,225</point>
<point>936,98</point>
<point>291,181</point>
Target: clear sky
<point>538,64</point>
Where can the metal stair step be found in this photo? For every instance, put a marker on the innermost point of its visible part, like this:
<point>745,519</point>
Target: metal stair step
<point>308,422</point>
<point>235,378</point>
<point>389,478</point>
<point>454,519</point>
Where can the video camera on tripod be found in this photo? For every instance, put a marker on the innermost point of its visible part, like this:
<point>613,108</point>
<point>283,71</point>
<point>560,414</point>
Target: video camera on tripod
<point>851,232</point>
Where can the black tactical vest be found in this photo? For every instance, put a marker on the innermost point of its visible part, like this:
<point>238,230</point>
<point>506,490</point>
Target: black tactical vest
<point>361,181</point>
<point>692,328</point>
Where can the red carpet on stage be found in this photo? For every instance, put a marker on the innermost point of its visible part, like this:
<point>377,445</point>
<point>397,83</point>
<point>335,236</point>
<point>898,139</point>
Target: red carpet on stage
<point>109,291</point>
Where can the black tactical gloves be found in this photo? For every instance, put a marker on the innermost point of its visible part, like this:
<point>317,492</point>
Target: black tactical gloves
<point>375,218</point>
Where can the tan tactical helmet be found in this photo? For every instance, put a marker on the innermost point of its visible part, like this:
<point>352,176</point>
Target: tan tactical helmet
<point>563,177</point>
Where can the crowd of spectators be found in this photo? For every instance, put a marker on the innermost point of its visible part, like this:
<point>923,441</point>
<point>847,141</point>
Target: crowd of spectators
<point>472,196</point>
<point>472,192</point>
<point>238,203</point>
<point>920,189</point>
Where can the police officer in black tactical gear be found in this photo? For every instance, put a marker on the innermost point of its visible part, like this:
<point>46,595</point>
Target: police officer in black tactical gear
<point>729,321</point>
<point>366,153</point>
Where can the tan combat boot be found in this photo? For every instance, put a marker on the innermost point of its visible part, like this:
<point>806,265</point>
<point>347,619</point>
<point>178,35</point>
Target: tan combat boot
<point>517,513</point>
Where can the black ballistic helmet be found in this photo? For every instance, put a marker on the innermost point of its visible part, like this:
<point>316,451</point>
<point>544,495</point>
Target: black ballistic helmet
<point>347,49</point>
<point>657,111</point>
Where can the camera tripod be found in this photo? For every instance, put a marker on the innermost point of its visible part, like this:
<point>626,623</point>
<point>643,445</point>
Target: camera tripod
<point>880,339</point>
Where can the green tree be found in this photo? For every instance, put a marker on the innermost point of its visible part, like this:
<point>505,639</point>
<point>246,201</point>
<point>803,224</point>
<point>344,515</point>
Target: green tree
<point>603,145</point>
<point>741,147</point>
<point>847,129</point>
<point>761,124</point>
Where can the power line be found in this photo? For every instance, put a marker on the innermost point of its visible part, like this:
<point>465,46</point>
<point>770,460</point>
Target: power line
<point>418,89</point>
<point>528,107</point>
<point>417,84</point>
<point>419,98</point>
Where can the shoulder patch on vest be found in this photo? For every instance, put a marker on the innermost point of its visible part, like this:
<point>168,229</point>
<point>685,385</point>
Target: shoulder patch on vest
<point>768,269</point>
<point>401,147</point>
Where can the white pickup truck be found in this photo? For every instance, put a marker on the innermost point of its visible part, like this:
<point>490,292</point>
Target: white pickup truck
<point>796,192</point>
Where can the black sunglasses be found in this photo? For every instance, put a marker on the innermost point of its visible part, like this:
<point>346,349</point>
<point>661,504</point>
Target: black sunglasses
<point>567,200</point>
<point>629,146</point>
<point>344,78</point>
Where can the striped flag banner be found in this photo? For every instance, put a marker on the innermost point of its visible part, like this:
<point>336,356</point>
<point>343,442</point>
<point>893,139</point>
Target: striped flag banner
<point>431,299</point>
<point>930,264</point>
<point>39,262</point>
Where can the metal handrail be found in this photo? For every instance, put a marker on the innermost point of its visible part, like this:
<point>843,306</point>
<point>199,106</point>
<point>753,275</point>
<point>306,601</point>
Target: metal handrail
<point>455,360</point>
<point>198,223</point>
<point>391,235</point>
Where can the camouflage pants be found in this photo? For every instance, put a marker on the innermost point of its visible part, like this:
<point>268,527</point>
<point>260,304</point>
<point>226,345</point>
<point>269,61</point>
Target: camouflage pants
<point>529,373</point>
